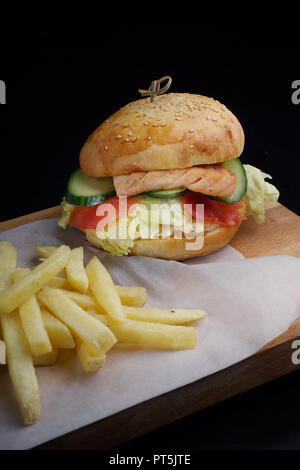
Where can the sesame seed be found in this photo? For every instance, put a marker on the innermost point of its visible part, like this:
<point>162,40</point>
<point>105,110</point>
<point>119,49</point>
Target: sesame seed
<point>106,147</point>
<point>191,146</point>
<point>178,119</point>
<point>119,136</point>
<point>163,124</point>
<point>207,117</point>
<point>191,130</point>
<point>149,137</point>
<point>130,134</point>
<point>146,123</point>
<point>213,119</point>
<point>223,116</point>
<point>133,139</point>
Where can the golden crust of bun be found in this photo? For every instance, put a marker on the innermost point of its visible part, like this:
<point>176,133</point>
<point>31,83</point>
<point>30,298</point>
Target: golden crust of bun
<point>176,249</point>
<point>177,130</point>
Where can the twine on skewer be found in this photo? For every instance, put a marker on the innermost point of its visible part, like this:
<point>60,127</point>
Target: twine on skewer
<point>155,89</point>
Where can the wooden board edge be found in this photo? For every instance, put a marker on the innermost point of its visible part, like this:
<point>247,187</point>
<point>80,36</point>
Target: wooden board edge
<point>288,335</point>
<point>50,213</point>
<point>164,409</point>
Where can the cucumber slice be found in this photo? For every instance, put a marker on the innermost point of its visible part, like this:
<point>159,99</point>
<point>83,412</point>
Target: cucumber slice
<point>238,169</point>
<point>83,190</point>
<point>166,194</point>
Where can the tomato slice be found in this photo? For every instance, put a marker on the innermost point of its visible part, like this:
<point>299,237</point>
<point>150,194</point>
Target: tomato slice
<point>88,217</point>
<point>214,211</point>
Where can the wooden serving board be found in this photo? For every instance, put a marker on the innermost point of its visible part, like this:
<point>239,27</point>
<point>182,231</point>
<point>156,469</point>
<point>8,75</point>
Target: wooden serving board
<point>279,235</point>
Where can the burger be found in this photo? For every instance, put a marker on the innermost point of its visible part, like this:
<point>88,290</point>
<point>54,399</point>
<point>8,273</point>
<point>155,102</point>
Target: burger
<point>146,170</point>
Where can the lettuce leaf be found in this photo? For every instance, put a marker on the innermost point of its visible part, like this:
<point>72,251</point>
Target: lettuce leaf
<point>66,213</point>
<point>259,192</point>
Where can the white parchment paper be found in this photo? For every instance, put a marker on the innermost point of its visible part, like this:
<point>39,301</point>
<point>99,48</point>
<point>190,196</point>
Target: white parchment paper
<point>249,302</point>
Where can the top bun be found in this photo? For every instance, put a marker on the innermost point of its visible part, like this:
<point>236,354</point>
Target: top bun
<point>176,130</point>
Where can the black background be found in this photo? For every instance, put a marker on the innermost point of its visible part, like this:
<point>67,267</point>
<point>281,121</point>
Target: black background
<point>56,96</point>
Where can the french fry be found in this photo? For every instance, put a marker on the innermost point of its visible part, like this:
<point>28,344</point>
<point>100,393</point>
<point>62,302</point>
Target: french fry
<point>84,300</point>
<point>2,352</point>
<point>62,274</point>
<point>104,290</point>
<point>34,328</point>
<point>8,257</point>
<point>21,290</point>
<point>62,305</point>
<point>155,335</point>
<point>132,295</point>
<point>18,355</point>
<point>59,282</point>
<point>21,369</point>
<point>48,359</point>
<point>81,324</point>
<point>56,281</point>
<point>75,271</point>
<point>45,251</point>
<point>19,273</point>
<point>151,335</point>
<point>129,295</point>
<point>3,276</point>
<point>8,261</point>
<point>32,321</point>
<point>90,361</point>
<point>59,334</point>
<point>175,316</point>
<point>127,346</point>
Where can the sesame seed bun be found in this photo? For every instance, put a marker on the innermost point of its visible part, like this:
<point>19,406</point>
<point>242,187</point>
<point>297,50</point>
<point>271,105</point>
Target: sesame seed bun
<point>177,130</point>
<point>176,249</point>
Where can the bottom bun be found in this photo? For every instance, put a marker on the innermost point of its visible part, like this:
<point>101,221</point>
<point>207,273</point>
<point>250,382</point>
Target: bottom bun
<point>176,249</point>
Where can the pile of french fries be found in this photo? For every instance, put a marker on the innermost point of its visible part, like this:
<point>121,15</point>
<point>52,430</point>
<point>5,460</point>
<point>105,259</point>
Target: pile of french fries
<point>62,304</point>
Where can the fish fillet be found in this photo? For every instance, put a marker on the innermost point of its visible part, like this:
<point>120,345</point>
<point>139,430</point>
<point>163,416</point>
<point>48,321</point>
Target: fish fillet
<point>212,180</point>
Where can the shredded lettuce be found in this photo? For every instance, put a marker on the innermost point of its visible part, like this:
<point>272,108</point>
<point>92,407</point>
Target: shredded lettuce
<point>150,219</point>
<point>259,192</point>
<point>117,247</point>
<point>66,213</point>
